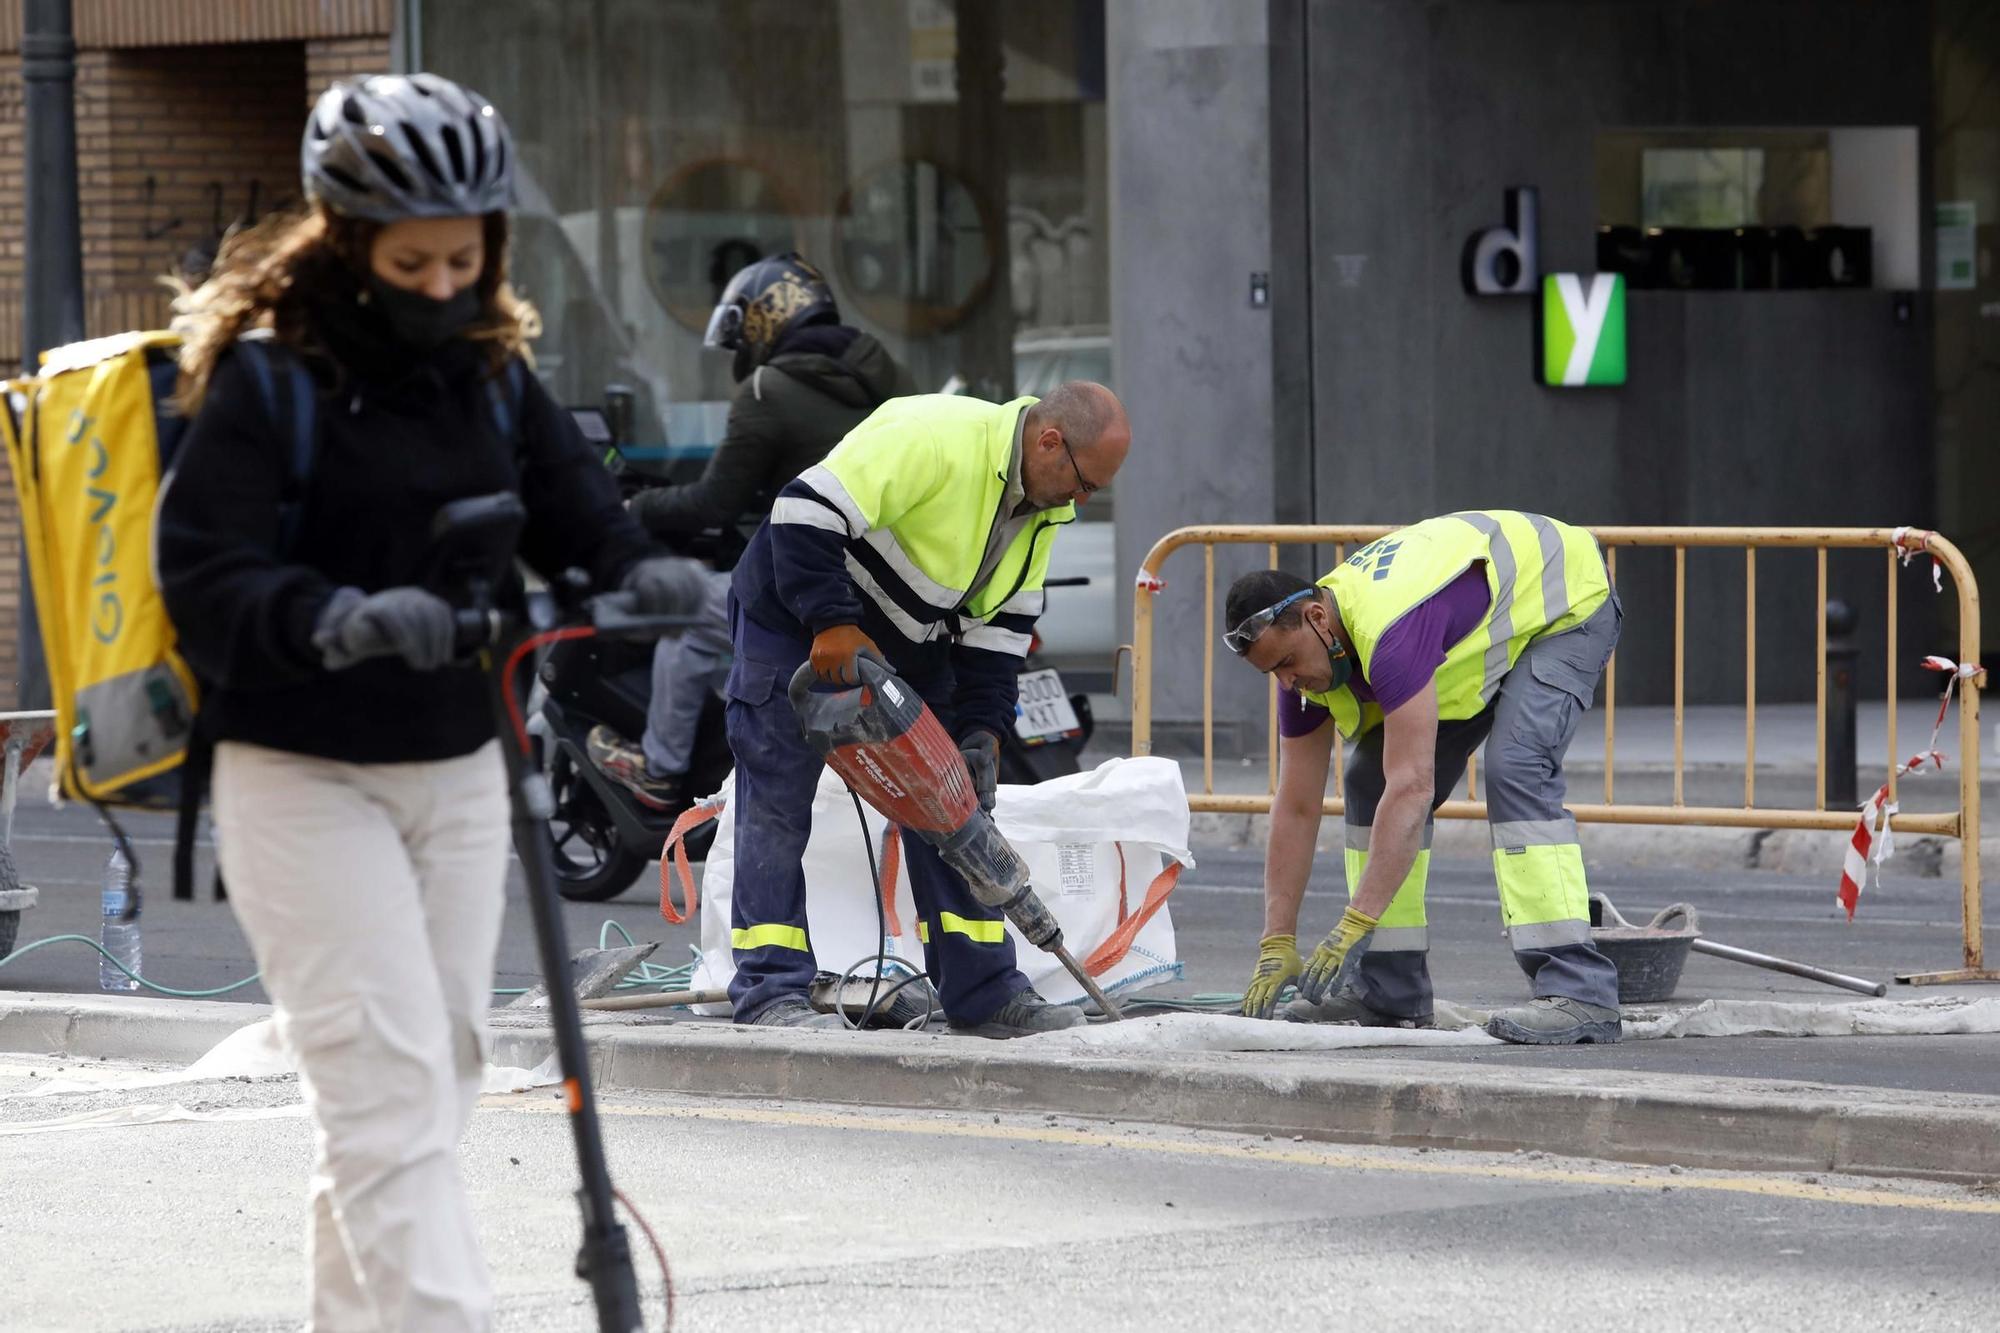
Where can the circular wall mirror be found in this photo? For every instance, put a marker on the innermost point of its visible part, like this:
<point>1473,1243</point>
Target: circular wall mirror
<point>710,219</point>
<point>916,248</point>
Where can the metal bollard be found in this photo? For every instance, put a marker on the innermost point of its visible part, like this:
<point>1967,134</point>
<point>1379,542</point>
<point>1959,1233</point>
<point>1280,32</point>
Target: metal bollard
<point>1841,753</point>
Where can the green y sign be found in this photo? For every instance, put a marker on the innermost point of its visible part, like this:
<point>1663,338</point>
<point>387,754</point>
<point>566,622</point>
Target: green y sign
<point>1583,328</point>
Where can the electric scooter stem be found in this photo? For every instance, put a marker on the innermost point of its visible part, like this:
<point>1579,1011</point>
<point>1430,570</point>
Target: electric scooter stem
<point>605,1257</point>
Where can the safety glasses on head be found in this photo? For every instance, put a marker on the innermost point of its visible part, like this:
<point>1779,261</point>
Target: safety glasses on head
<point>1253,626</point>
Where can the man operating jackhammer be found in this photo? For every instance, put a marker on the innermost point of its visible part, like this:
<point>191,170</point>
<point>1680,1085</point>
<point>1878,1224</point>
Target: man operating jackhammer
<point>1483,626</point>
<point>923,538</point>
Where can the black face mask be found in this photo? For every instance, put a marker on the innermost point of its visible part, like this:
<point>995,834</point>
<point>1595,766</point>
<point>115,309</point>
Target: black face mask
<point>423,322</point>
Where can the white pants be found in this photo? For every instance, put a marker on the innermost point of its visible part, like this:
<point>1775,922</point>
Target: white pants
<point>372,895</point>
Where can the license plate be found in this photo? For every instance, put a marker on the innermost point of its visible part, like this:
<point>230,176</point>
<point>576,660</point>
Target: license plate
<point>1044,713</point>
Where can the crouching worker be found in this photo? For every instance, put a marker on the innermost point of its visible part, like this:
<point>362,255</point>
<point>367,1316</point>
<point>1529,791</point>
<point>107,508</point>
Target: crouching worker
<point>1484,626</point>
<point>359,797</point>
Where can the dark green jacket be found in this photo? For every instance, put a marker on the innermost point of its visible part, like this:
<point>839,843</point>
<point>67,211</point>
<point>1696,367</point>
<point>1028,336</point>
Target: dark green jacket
<point>786,416</point>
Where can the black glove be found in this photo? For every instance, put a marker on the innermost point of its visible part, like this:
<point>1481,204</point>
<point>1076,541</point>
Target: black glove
<point>409,623</point>
<point>982,759</point>
<point>667,586</point>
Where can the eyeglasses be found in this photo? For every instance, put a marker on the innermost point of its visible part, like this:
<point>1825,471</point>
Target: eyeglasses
<point>1081,484</point>
<point>1253,626</point>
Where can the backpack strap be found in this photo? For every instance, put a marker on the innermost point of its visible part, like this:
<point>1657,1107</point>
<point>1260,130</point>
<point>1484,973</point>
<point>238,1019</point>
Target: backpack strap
<point>291,401</point>
<point>504,393</point>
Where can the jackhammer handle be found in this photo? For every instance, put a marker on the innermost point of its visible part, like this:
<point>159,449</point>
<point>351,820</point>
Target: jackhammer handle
<point>873,671</point>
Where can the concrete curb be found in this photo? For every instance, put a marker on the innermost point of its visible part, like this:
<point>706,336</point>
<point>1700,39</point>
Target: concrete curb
<point>119,1028</point>
<point>1731,1124</point>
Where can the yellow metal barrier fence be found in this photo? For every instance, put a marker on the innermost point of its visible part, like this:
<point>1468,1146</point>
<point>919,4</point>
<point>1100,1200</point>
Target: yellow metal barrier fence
<point>1899,544</point>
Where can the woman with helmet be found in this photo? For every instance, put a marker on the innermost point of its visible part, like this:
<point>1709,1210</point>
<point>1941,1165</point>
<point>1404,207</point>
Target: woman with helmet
<point>359,800</point>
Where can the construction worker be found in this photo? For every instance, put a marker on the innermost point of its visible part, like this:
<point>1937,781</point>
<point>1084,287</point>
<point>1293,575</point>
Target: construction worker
<point>803,380</point>
<point>924,539</point>
<point>1483,626</point>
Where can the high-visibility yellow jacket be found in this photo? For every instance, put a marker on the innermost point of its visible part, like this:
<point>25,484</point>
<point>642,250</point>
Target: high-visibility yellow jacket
<point>914,528</point>
<point>1544,577</point>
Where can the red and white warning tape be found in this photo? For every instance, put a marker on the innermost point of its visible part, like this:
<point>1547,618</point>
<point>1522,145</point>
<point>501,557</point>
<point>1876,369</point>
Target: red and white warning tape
<point>1873,842</point>
<point>1912,542</point>
<point>1150,581</point>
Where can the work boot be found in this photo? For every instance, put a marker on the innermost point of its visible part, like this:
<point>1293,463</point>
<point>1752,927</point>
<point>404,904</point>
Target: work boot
<point>792,1011</point>
<point>1023,1016</point>
<point>1555,1020</point>
<point>1347,1009</point>
<point>625,764</point>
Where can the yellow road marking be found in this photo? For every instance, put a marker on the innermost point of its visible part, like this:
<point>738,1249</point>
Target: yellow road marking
<point>1327,1158</point>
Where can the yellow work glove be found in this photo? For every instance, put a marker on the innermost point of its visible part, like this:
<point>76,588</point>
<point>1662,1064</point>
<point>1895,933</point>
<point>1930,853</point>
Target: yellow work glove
<point>1334,963</point>
<point>1277,963</point>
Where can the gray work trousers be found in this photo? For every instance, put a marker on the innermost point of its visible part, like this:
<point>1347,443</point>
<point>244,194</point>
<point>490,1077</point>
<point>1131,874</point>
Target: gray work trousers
<point>687,669</point>
<point>1527,730</point>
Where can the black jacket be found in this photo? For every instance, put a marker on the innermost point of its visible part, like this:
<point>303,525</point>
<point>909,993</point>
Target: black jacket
<point>400,435</point>
<point>786,416</point>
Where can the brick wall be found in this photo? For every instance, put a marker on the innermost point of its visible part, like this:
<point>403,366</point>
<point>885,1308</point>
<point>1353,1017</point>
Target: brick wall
<point>343,58</point>
<point>173,145</point>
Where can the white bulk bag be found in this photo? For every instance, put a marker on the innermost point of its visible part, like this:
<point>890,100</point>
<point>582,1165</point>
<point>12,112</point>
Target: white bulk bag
<point>1103,850</point>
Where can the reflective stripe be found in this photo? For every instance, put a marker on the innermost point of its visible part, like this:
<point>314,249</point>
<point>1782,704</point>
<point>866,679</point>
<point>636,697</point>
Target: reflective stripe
<point>923,932</point>
<point>1359,836</point>
<point>824,484</point>
<point>1534,833</point>
<point>983,932</point>
<point>1500,629</point>
<point>1399,939</point>
<point>1549,934</point>
<point>1406,909</point>
<point>1028,602</point>
<point>923,586</point>
<point>997,640</point>
<point>1541,884</point>
<point>912,629</point>
<point>1555,587</point>
<point>774,935</point>
<point>807,514</point>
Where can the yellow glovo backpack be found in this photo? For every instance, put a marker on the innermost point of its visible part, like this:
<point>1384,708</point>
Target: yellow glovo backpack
<point>90,439</point>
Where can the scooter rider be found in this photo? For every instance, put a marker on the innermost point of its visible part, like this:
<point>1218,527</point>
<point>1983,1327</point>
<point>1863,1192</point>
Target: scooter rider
<point>924,537</point>
<point>804,379</point>
<point>359,801</point>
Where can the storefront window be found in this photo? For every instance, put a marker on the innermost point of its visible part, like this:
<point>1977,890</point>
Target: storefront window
<point>946,171</point>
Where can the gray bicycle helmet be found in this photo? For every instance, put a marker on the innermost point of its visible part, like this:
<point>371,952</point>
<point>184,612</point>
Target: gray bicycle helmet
<point>395,146</point>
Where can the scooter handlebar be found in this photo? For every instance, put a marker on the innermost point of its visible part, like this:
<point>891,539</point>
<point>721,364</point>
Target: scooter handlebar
<point>616,615</point>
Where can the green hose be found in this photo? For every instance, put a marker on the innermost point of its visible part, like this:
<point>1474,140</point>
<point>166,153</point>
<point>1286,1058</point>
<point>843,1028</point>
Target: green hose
<point>644,976</point>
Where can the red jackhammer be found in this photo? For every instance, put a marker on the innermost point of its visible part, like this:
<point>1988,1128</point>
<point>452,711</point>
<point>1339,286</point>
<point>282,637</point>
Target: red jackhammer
<point>892,752</point>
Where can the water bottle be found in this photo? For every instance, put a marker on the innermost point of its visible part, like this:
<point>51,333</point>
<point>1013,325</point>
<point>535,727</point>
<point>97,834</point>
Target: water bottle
<point>121,937</point>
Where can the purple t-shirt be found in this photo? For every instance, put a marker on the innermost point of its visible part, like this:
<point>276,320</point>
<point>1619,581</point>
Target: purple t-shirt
<point>1406,657</point>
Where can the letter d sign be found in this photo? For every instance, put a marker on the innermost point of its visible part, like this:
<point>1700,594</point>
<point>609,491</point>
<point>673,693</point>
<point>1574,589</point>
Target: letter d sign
<point>1504,261</point>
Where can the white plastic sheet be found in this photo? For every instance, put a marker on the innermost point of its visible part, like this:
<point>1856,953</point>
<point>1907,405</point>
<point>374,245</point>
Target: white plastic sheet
<point>1095,843</point>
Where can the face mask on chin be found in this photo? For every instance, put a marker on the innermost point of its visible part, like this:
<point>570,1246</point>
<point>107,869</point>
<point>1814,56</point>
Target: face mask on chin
<point>423,322</point>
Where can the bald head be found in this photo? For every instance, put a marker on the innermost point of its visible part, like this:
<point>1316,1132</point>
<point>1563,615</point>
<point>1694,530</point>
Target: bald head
<point>1075,441</point>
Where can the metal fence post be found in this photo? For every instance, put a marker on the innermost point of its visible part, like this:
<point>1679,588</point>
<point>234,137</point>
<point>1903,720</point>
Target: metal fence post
<point>1842,754</point>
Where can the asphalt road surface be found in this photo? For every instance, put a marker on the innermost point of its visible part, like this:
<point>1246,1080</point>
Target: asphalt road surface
<point>799,1216</point>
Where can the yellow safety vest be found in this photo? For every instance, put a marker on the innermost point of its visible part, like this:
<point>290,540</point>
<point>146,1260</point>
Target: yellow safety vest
<point>920,482</point>
<point>1544,577</point>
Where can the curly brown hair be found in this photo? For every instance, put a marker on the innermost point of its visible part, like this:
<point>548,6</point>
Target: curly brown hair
<point>269,276</point>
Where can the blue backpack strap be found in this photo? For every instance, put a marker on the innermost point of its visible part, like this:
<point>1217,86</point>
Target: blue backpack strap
<point>291,401</point>
<point>504,394</point>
